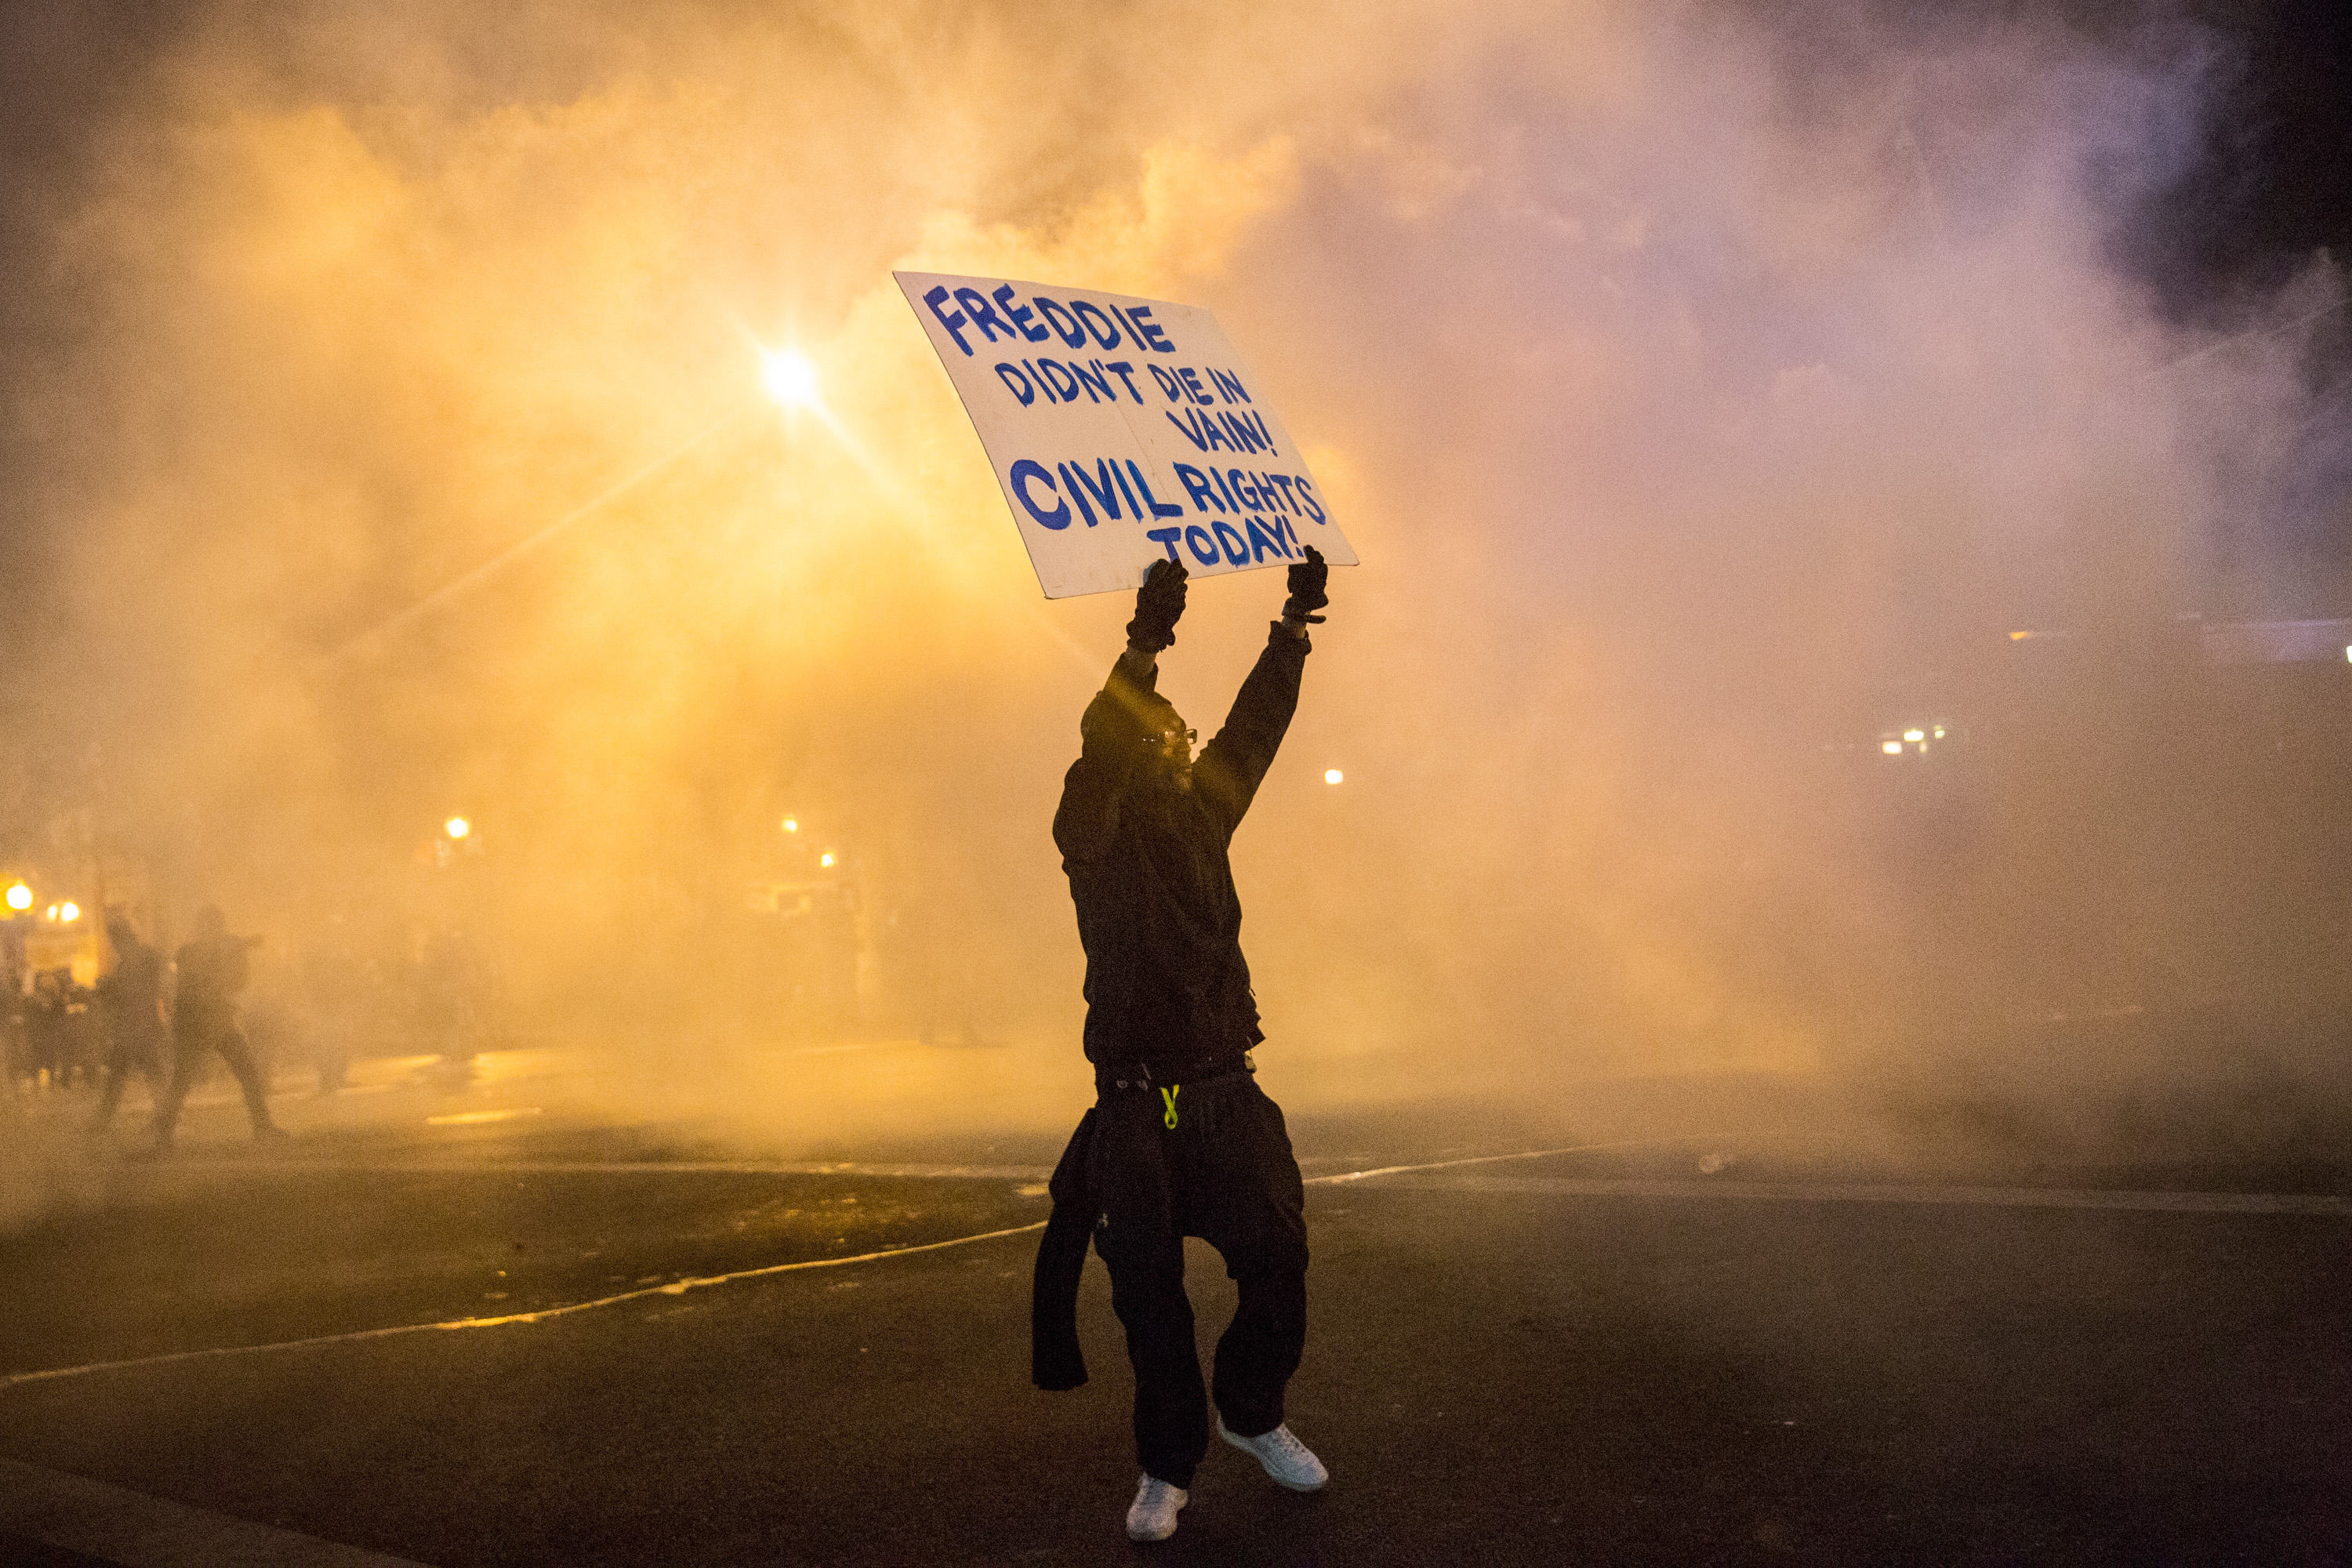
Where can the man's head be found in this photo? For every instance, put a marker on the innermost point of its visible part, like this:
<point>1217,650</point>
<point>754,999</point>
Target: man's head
<point>1166,742</point>
<point>119,933</point>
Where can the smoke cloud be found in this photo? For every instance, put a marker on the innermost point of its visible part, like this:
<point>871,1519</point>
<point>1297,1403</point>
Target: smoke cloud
<point>1708,389</point>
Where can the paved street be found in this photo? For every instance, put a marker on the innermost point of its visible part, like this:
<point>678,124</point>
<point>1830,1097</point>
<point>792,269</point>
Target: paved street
<point>1683,1349</point>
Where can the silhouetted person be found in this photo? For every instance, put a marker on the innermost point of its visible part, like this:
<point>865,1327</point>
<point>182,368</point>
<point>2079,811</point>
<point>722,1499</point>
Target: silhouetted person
<point>332,981</point>
<point>450,985</point>
<point>1181,1140</point>
<point>48,1027</point>
<point>213,968</point>
<point>130,1006</point>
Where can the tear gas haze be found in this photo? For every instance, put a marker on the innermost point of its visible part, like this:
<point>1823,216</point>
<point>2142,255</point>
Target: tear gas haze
<point>1712,391</point>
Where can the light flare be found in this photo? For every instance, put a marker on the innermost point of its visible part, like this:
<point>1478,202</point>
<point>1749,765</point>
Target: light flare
<point>788,378</point>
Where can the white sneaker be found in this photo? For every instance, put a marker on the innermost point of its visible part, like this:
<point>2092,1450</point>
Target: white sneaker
<point>1286,1458</point>
<point>1152,1515</point>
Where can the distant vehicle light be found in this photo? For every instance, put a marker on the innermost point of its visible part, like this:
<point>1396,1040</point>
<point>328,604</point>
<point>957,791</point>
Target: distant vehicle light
<point>1915,735</point>
<point>20,897</point>
<point>1891,748</point>
<point>1939,732</point>
<point>1333,775</point>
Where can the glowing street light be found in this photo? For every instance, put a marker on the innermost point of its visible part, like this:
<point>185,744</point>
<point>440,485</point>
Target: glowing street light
<point>1891,748</point>
<point>68,910</point>
<point>825,859</point>
<point>457,827</point>
<point>788,378</point>
<point>20,896</point>
<point>792,825</point>
<point>1333,775</point>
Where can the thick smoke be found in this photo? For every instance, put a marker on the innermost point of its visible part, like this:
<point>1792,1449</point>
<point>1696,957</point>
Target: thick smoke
<point>1707,390</point>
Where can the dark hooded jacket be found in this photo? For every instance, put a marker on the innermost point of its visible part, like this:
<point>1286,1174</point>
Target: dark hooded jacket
<point>1167,988</point>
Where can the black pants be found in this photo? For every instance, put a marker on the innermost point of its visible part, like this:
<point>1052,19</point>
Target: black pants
<point>192,1036</point>
<point>142,1050</point>
<point>1224,1172</point>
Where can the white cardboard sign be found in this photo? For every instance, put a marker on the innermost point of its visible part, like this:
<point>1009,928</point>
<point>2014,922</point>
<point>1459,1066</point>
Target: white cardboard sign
<point>1123,431</point>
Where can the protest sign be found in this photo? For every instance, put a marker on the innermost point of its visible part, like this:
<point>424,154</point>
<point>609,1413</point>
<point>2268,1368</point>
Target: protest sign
<point>1123,431</point>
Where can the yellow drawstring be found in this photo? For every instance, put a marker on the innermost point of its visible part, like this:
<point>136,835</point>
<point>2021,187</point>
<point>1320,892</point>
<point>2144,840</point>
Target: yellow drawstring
<point>1168,1096</point>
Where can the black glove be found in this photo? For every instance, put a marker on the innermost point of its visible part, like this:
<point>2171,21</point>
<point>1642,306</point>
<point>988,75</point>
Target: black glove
<point>1306,594</point>
<point>1158,606</point>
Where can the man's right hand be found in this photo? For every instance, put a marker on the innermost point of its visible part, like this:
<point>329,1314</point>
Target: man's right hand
<point>1159,605</point>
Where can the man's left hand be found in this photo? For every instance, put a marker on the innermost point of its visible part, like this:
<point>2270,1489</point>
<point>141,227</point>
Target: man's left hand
<point>1306,594</point>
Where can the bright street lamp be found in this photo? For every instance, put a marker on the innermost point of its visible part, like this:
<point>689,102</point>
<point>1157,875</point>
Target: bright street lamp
<point>20,896</point>
<point>457,827</point>
<point>788,378</point>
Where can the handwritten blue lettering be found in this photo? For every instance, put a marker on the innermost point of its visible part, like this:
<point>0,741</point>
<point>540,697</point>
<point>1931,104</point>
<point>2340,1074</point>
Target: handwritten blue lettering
<point>1023,473</point>
<point>950,319</point>
<point>1159,508</point>
<point>1018,314</point>
<point>983,314</point>
<point>1062,321</point>
<point>1009,375</point>
<point>1105,334</point>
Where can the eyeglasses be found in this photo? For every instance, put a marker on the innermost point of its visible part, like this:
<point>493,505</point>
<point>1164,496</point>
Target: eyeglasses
<point>1192,737</point>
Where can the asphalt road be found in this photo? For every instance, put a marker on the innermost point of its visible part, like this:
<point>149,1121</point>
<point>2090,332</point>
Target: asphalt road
<point>1674,1352</point>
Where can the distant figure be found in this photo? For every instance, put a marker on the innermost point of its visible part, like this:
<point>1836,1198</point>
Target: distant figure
<point>131,1004</point>
<point>213,967</point>
<point>450,984</point>
<point>47,1027</point>
<point>332,980</point>
<point>1181,1140</point>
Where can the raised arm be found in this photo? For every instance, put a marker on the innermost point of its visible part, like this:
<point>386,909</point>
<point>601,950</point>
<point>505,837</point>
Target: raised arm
<point>1111,731</point>
<point>1235,761</point>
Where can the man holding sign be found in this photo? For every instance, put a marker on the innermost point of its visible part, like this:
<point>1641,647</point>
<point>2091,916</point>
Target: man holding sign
<point>1128,437</point>
<point>1181,1140</point>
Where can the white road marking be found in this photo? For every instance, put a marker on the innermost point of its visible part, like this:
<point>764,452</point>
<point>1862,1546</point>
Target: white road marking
<point>1498,1159</point>
<point>1864,1193</point>
<point>675,1287</point>
<point>1564,1186</point>
<point>135,1530</point>
<point>630,1167</point>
